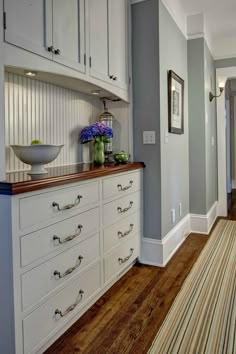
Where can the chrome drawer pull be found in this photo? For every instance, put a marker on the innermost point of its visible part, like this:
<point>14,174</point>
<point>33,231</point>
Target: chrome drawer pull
<point>120,210</point>
<point>69,206</point>
<point>69,238</point>
<point>58,275</point>
<point>121,189</point>
<point>121,234</point>
<point>123,260</point>
<point>71,307</point>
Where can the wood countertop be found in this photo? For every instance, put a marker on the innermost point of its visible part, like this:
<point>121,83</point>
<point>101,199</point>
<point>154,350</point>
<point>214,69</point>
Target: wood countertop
<point>22,182</point>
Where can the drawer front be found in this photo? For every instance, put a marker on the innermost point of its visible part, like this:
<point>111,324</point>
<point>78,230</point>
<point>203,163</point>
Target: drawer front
<point>41,323</point>
<point>58,237</point>
<point>120,231</point>
<point>42,280</point>
<point>44,207</point>
<point>120,208</point>
<point>121,185</point>
<point>121,257</point>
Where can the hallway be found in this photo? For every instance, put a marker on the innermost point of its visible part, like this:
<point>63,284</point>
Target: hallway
<point>232,205</point>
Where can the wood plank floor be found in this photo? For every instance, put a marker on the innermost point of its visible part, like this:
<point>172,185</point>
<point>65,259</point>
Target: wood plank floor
<point>127,318</point>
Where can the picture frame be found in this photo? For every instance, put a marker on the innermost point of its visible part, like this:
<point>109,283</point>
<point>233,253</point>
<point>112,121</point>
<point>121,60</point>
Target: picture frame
<point>175,103</point>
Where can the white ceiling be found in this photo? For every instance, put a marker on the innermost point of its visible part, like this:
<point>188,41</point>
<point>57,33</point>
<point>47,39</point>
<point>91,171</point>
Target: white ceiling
<point>220,15</point>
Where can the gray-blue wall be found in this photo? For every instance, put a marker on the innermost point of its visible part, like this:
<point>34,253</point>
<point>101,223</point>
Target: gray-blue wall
<point>158,46</point>
<point>175,153</point>
<point>197,143</point>
<point>225,63</point>
<point>211,131</point>
<point>146,107</point>
<point>202,128</point>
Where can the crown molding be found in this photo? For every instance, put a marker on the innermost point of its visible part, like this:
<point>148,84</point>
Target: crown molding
<point>222,57</point>
<point>181,26</point>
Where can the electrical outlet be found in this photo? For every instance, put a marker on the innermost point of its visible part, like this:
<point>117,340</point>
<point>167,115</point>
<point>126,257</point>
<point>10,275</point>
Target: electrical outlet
<point>213,141</point>
<point>180,209</point>
<point>166,137</point>
<point>173,216</point>
<point>149,137</point>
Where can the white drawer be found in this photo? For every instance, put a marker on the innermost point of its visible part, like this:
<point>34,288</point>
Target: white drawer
<point>41,243</point>
<point>121,185</point>
<point>40,325</point>
<point>49,276</point>
<point>121,257</point>
<point>46,206</point>
<point>120,231</point>
<point>121,208</point>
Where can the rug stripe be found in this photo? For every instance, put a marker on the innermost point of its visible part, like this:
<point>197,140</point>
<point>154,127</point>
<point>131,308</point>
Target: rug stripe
<point>202,318</point>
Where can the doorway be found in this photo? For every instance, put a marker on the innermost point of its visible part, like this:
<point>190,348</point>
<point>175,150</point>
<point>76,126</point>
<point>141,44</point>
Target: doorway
<point>222,75</point>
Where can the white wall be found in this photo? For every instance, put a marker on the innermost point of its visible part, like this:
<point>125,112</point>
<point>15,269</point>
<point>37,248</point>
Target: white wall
<point>55,115</point>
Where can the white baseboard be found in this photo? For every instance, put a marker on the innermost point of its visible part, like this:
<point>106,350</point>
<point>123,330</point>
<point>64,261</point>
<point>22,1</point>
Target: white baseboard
<point>233,184</point>
<point>202,224</point>
<point>159,252</point>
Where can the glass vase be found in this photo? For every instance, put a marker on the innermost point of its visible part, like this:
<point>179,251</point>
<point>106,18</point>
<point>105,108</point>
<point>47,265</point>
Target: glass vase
<point>99,156</point>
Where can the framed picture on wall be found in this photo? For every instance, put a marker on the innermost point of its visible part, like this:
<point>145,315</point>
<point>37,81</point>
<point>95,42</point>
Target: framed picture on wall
<point>175,103</point>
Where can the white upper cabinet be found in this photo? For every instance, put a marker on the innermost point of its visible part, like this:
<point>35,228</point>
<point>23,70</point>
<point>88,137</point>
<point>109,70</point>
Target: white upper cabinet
<point>118,58</point>
<point>74,33</point>
<point>98,39</point>
<point>69,33</point>
<point>28,24</point>
<point>108,41</point>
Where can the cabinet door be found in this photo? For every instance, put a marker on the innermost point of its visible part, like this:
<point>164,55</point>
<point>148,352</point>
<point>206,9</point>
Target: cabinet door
<point>118,58</point>
<point>98,39</point>
<point>69,33</point>
<point>29,25</point>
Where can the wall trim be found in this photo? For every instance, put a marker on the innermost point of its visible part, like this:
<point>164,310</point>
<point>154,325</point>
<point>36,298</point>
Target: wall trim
<point>202,224</point>
<point>174,17</point>
<point>222,57</point>
<point>233,184</point>
<point>195,36</point>
<point>159,252</point>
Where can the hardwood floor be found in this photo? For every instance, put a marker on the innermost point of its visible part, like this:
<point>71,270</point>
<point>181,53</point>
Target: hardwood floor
<point>127,318</point>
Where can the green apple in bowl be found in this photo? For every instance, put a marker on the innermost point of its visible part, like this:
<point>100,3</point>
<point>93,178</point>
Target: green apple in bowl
<point>36,142</point>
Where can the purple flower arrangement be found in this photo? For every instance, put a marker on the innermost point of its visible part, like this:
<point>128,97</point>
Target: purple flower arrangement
<point>96,132</point>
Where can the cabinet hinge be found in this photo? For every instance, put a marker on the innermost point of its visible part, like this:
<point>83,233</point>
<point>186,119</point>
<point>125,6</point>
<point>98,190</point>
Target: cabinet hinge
<point>84,59</point>
<point>129,80</point>
<point>4,20</point>
<point>90,62</point>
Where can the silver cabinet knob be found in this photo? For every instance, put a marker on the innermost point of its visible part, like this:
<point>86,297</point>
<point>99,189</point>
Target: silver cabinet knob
<point>51,49</point>
<point>57,52</point>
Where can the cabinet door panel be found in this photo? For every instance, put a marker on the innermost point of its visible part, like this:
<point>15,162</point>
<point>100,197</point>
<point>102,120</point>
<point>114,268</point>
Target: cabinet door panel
<point>118,63</point>
<point>69,33</point>
<point>29,25</point>
<point>98,39</point>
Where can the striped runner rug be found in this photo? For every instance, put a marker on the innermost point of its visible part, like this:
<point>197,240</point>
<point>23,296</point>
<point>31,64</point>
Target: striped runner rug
<point>202,318</point>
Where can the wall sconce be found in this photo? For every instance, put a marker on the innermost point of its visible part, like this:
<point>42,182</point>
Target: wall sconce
<point>211,96</point>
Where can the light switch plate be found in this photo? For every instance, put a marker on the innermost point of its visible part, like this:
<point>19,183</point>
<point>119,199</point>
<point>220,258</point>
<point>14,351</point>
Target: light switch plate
<point>149,137</point>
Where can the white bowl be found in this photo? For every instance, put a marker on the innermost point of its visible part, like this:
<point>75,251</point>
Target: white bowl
<point>37,155</point>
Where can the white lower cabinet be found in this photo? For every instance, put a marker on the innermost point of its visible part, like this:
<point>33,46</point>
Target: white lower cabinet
<point>118,259</point>
<point>69,244</point>
<point>53,274</point>
<point>41,323</point>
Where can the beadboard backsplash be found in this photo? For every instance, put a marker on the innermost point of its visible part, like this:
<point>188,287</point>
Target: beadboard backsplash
<point>38,110</point>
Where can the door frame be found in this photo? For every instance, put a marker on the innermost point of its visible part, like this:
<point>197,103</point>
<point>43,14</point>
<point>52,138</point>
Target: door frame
<point>222,75</point>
